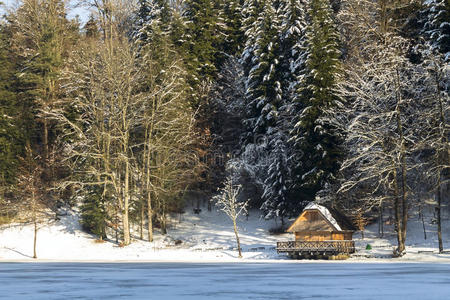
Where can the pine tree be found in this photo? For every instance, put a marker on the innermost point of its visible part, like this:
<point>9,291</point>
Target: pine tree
<point>153,30</point>
<point>91,28</point>
<point>204,37</point>
<point>276,185</point>
<point>437,26</point>
<point>316,144</point>
<point>293,46</point>
<point>293,65</point>
<point>11,143</point>
<point>153,21</point>
<point>250,12</point>
<point>41,38</point>
<point>264,92</point>
<point>93,212</point>
<point>231,11</point>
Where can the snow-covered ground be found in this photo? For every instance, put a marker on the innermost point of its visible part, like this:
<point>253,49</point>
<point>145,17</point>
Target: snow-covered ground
<point>417,247</point>
<point>206,237</point>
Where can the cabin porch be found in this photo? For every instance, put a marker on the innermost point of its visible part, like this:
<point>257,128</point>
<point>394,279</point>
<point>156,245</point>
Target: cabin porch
<point>316,248</point>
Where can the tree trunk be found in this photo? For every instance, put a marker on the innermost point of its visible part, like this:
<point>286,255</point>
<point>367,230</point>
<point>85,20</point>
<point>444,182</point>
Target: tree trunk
<point>141,221</point>
<point>149,137</point>
<point>381,225</point>
<point>398,226</point>
<point>163,221</point>
<point>423,224</point>
<point>126,195</point>
<point>404,203</point>
<point>439,222</point>
<point>442,158</point>
<point>35,238</point>
<point>237,238</point>
<point>404,207</point>
<point>149,195</point>
<point>149,216</point>
<point>45,142</point>
<point>116,226</point>
<point>35,226</point>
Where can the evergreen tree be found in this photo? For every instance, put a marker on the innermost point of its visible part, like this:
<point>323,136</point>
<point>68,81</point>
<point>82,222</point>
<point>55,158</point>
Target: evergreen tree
<point>203,39</point>
<point>293,47</point>
<point>11,143</point>
<point>234,33</point>
<point>178,28</point>
<point>93,212</point>
<point>316,144</point>
<point>276,186</point>
<point>250,12</point>
<point>41,38</point>
<point>437,26</point>
<point>91,28</point>
<point>227,108</point>
<point>153,20</point>
<point>153,30</point>
<point>264,92</point>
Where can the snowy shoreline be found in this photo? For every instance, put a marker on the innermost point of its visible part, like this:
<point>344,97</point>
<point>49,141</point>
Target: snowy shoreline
<point>205,238</point>
<point>403,260</point>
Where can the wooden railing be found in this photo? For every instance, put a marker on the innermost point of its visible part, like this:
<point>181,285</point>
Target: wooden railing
<point>316,246</point>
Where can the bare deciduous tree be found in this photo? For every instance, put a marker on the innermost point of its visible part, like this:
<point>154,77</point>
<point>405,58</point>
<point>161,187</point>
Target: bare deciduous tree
<point>380,110</point>
<point>435,130</point>
<point>30,187</point>
<point>228,202</point>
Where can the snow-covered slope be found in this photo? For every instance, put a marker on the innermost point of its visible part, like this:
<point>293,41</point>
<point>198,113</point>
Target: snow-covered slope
<point>417,247</point>
<point>208,237</point>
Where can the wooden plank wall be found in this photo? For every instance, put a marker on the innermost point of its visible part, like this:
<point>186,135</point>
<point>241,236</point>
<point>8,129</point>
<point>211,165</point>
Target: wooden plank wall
<point>322,236</point>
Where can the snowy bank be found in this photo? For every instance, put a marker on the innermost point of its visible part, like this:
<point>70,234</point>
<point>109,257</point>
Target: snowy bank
<point>204,237</point>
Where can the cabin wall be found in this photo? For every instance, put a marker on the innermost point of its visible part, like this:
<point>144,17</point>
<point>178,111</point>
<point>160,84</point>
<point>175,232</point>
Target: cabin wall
<point>348,235</point>
<point>314,236</point>
<point>312,221</point>
<point>337,236</point>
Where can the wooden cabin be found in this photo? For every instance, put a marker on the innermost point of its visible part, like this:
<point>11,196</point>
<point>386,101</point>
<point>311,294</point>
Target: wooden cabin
<point>319,231</point>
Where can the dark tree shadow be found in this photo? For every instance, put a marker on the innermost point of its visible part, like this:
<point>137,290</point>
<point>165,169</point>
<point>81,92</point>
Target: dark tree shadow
<point>18,252</point>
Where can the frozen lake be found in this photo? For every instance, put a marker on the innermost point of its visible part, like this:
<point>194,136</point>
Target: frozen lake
<point>224,281</point>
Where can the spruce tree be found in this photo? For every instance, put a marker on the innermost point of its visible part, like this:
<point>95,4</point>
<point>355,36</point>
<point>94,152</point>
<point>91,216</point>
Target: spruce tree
<point>93,212</point>
<point>316,144</point>
<point>91,28</point>
<point>11,143</point>
<point>153,20</point>
<point>293,47</point>
<point>264,92</point>
<point>275,197</point>
<point>204,37</point>
<point>231,11</point>
<point>437,26</point>
<point>250,12</point>
<point>41,38</point>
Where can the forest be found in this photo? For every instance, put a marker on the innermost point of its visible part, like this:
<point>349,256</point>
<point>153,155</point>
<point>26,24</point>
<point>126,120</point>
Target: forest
<point>151,103</point>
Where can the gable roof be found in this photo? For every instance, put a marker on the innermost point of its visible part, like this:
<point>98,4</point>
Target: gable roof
<point>328,220</point>
<point>325,212</point>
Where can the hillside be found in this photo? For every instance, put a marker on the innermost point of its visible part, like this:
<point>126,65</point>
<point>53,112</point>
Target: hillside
<point>207,236</point>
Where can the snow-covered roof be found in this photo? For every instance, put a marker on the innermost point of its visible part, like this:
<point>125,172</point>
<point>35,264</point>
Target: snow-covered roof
<point>325,212</point>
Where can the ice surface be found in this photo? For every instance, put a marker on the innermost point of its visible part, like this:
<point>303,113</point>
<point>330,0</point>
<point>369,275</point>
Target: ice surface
<point>225,281</point>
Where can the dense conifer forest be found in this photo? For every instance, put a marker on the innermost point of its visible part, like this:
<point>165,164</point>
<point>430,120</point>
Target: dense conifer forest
<point>152,103</point>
